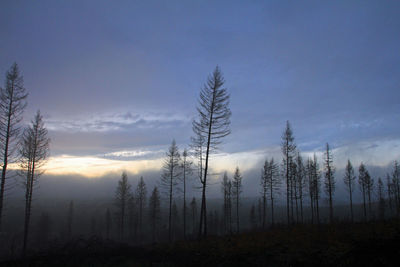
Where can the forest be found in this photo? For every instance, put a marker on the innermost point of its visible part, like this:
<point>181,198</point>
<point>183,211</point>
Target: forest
<point>169,225</point>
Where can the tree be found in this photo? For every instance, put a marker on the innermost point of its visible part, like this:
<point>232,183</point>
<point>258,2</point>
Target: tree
<point>12,104</point>
<point>226,193</point>
<point>381,197</point>
<point>70,218</point>
<point>154,211</point>
<point>300,182</point>
<point>186,166</point>
<point>314,185</point>
<point>329,180</point>
<point>33,152</point>
<point>395,186</point>
<point>169,179</point>
<point>122,195</point>
<point>370,188</point>
<point>270,184</point>
<point>141,196</point>
<point>362,181</point>
<point>349,180</point>
<point>237,190</point>
<point>288,149</point>
<point>212,125</point>
<point>175,220</point>
<point>193,207</point>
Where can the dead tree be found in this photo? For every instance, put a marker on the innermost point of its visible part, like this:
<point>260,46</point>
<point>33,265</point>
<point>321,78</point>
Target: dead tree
<point>381,199</point>
<point>212,125</point>
<point>349,180</point>
<point>329,180</point>
<point>141,196</point>
<point>237,191</point>
<point>33,152</point>
<point>288,150</point>
<point>154,212</point>
<point>186,166</point>
<point>362,181</point>
<point>122,195</point>
<point>12,104</point>
<point>300,182</point>
<point>169,179</point>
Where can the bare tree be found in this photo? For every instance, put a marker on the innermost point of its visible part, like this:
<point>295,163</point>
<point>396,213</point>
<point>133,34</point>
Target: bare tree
<point>381,197</point>
<point>122,195</point>
<point>349,180</point>
<point>12,104</point>
<point>362,181</point>
<point>370,188</point>
<point>193,207</point>
<point>169,179</point>
<point>270,184</point>
<point>212,126</point>
<point>186,166</point>
<point>300,182</point>
<point>314,185</point>
<point>237,191</point>
<point>329,180</point>
<point>141,196</point>
<point>225,191</point>
<point>70,218</point>
<point>154,212</point>
<point>33,152</point>
<point>395,186</point>
<point>288,150</point>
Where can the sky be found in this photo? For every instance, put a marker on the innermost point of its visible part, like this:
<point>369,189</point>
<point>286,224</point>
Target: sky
<point>117,81</point>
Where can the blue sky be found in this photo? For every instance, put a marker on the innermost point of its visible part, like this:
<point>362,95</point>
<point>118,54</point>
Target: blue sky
<point>120,79</point>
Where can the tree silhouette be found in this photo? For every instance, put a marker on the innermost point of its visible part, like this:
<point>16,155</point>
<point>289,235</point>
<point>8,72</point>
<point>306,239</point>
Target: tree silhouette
<point>226,189</point>
<point>186,166</point>
<point>395,186</point>
<point>12,104</point>
<point>288,150</point>
<point>141,196</point>
<point>381,199</point>
<point>122,195</point>
<point>193,208</point>
<point>329,180</point>
<point>212,126</point>
<point>169,179</point>
<point>270,184</point>
<point>154,212</point>
<point>237,191</point>
<point>300,182</point>
<point>33,152</point>
<point>362,181</point>
<point>314,185</point>
<point>349,180</point>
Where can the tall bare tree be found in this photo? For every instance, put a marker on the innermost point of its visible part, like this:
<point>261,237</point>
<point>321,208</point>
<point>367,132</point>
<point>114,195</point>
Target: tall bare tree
<point>300,183</point>
<point>154,212</point>
<point>212,125</point>
<point>225,191</point>
<point>237,191</point>
<point>122,195</point>
<point>186,166</point>
<point>314,187</point>
<point>349,180</point>
<point>329,179</point>
<point>288,150</point>
<point>33,152</point>
<point>141,196</point>
<point>169,179</point>
<point>270,185</point>
<point>12,104</point>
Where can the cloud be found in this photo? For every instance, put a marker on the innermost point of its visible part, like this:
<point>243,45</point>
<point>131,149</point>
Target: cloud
<point>107,122</point>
